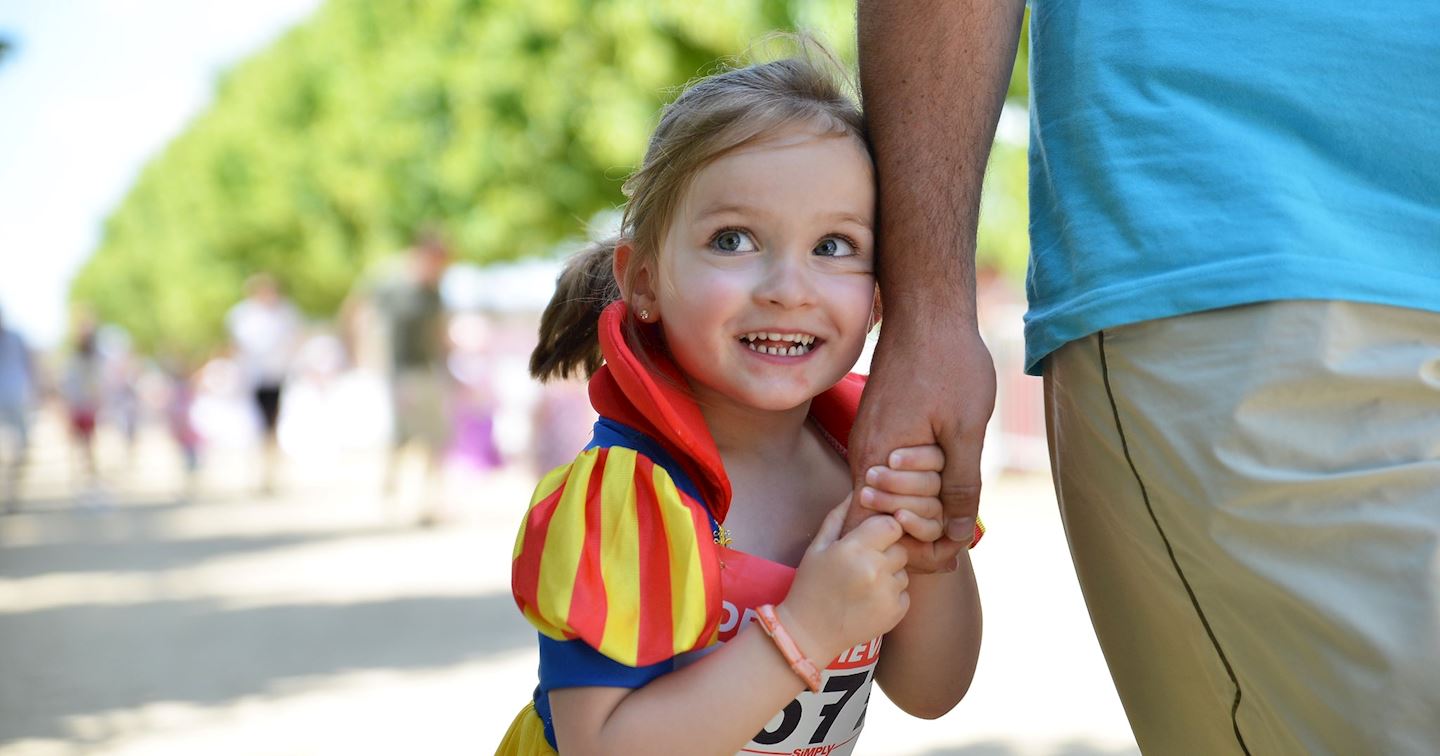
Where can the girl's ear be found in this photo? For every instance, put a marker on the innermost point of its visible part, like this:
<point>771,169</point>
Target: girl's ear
<point>641,286</point>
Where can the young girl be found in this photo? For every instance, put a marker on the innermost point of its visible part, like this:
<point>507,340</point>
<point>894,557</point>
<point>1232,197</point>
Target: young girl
<point>82,388</point>
<point>687,572</point>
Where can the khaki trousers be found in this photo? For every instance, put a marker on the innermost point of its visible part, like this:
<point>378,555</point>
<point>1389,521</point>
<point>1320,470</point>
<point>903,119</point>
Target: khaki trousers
<point>1252,500</point>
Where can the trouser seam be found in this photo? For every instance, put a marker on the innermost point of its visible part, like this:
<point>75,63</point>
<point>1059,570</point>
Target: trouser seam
<point>1170,551</point>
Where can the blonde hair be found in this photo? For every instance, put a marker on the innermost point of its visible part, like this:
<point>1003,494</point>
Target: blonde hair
<point>712,117</point>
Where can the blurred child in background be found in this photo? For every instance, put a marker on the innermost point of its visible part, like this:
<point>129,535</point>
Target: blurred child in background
<point>82,389</point>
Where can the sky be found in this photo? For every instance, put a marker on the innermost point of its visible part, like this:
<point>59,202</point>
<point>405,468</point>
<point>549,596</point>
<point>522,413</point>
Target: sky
<point>89,92</point>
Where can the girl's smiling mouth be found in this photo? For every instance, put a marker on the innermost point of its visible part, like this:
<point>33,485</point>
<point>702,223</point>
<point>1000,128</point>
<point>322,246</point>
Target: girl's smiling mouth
<point>781,344</point>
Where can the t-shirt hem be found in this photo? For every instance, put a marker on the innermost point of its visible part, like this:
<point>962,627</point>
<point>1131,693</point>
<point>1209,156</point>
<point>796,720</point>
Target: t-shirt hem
<point>1045,334</point>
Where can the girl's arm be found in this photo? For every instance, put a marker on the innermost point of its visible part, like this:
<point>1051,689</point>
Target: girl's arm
<point>846,591</point>
<point>929,658</point>
<point>716,704</point>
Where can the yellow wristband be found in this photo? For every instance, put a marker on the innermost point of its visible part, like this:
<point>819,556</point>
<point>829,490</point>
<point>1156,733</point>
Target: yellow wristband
<point>797,660</point>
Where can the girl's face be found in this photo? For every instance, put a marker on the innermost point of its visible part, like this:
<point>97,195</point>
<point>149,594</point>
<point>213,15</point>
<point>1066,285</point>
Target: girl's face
<point>766,286</point>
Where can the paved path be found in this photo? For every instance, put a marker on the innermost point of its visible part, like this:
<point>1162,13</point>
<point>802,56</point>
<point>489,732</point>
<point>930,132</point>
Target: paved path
<point>316,622</point>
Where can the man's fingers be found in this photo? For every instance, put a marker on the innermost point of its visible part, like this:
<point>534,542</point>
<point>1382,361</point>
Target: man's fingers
<point>939,556</point>
<point>960,529</point>
<point>961,505</point>
<point>960,486</point>
<point>945,550</point>
<point>927,457</point>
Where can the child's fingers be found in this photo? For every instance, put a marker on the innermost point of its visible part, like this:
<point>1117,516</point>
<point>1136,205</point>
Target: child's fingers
<point>919,528</point>
<point>928,457</point>
<point>829,531</point>
<point>908,482</point>
<point>894,558</point>
<point>890,503</point>
<point>903,579</point>
<point>876,532</point>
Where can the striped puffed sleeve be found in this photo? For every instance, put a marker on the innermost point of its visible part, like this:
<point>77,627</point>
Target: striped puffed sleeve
<point>612,553</point>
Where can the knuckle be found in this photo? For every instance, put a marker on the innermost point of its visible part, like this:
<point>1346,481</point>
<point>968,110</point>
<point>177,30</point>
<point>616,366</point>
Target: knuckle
<point>955,490</point>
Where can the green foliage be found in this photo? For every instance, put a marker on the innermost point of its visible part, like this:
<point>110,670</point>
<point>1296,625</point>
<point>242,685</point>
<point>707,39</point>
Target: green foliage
<point>505,123</point>
<point>1004,233</point>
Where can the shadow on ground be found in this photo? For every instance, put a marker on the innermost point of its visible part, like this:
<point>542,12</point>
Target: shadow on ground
<point>997,748</point>
<point>209,654</point>
<point>130,538</point>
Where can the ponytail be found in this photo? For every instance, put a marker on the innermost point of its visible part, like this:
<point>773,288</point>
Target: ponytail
<point>569,328</point>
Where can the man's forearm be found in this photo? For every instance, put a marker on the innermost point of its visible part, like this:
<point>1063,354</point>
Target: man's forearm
<point>933,77</point>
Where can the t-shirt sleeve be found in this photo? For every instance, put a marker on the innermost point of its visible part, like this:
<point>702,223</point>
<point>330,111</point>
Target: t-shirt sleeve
<point>613,554</point>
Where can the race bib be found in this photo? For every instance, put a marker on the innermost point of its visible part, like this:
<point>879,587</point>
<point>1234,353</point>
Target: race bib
<point>813,724</point>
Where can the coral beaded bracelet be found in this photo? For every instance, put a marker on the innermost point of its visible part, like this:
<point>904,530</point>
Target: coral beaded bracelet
<point>803,667</point>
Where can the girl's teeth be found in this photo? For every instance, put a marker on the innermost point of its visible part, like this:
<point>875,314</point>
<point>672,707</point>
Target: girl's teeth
<point>792,338</point>
<point>793,351</point>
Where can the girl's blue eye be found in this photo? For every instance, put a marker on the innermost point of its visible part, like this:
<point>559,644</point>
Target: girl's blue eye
<point>731,240</point>
<point>835,246</point>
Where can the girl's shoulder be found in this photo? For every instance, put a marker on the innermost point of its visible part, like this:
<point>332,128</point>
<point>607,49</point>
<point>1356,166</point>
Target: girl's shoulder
<point>614,551</point>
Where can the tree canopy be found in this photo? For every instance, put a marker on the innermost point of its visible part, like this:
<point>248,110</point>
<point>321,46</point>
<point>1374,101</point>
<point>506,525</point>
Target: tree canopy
<point>503,123</point>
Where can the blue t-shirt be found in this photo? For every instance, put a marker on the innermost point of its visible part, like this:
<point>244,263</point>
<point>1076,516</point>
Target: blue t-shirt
<point>1191,155</point>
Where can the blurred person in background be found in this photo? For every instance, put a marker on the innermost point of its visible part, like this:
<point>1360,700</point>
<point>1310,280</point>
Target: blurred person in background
<point>82,389</point>
<point>122,373</point>
<point>180,391</point>
<point>18,383</point>
<point>414,322</point>
<point>474,404</point>
<point>265,330</point>
<point>563,419</point>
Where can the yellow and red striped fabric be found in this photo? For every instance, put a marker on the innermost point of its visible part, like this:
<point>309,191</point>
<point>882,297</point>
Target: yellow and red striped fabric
<point>612,553</point>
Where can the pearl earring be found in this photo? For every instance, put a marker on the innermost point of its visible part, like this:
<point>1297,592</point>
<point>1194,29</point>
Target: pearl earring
<point>644,314</point>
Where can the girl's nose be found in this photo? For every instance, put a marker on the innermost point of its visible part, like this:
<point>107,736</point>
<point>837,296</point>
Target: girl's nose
<point>786,282</point>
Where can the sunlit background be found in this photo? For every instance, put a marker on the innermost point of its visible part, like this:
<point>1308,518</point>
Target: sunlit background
<point>181,584</point>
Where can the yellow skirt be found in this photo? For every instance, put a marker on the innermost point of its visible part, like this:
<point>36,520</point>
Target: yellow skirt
<point>526,736</point>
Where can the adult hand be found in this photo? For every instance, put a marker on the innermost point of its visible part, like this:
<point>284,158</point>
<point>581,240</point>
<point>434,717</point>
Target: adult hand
<point>932,381</point>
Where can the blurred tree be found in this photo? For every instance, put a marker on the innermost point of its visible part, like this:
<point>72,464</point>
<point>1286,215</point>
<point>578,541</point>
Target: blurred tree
<point>506,123</point>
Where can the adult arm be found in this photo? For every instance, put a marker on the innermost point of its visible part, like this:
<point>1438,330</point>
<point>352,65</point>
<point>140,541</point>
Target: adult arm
<point>933,75</point>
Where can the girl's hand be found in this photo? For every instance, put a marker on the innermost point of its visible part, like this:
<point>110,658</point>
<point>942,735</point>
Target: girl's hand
<point>847,590</point>
<point>908,488</point>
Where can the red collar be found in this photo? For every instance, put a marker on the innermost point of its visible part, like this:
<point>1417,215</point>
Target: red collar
<point>650,399</point>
